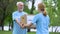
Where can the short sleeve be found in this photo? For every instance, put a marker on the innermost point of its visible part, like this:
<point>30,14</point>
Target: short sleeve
<point>35,19</point>
<point>49,20</point>
<point>14,16</point>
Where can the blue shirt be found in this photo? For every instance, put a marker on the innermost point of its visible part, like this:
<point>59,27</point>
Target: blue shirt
<point>16,27</point>
<point>42,23</point>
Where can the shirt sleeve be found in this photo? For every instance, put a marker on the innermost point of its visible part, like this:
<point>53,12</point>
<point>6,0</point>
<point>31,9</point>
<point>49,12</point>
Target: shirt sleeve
<point>48,20</point>
<point>35,19</point>
<point>14,16</point>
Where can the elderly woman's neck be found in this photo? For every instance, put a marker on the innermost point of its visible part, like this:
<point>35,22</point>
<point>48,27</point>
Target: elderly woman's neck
<point>43,12</point>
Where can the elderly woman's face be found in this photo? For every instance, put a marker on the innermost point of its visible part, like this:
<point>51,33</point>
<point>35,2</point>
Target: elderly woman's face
<point>20,7</point>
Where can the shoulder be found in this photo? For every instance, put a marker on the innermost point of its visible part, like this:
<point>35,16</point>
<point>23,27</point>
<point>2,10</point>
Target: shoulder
<point>24,12</point>
<point>48,17</point>
<point>14,12</point>
<point>37,15</point>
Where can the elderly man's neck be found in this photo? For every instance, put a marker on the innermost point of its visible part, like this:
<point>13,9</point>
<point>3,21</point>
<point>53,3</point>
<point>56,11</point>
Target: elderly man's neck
<point>20,11</point>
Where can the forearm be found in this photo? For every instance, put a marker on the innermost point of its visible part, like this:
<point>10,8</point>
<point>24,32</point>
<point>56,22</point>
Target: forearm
<point>18,22</point>
<point>28,25</point>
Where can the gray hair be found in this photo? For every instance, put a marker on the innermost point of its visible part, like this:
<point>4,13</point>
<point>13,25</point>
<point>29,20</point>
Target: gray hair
<point>19,3</point>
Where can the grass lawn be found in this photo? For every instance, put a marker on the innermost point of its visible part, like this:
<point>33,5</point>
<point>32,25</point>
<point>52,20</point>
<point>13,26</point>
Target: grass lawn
<point>5,32</point>
<point>9,32</point>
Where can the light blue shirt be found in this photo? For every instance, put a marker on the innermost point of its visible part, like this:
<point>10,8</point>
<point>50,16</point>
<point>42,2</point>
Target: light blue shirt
<point>42,23</point>
<point>16,27</point>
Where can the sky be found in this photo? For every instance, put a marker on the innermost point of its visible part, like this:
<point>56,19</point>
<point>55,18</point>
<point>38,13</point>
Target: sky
<point>36,3</point>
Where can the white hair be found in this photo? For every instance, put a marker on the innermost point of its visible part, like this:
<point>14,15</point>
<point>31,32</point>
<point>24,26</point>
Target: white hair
<point>19,3</point>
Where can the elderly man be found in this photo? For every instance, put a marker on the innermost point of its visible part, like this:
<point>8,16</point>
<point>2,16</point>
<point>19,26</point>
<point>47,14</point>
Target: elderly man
<point>17,27</point>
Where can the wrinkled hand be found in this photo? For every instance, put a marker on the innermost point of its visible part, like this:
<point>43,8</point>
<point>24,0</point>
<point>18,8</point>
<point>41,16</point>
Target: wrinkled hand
<point>22,25</point>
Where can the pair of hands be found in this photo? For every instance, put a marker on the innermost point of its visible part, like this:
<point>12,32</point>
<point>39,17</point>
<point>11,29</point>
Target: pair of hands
<point>22,25</point>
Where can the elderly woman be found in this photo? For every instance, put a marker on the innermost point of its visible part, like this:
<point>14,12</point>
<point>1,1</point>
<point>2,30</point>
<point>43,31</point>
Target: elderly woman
<point>41,20</point>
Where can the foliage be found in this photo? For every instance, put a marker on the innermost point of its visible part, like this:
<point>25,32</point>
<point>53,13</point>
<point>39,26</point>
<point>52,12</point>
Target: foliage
<point>53,11</point>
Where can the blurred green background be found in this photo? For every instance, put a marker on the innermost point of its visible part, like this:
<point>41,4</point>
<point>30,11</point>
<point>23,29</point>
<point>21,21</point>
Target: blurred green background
<point>7,7</point>
<point>9,32</point>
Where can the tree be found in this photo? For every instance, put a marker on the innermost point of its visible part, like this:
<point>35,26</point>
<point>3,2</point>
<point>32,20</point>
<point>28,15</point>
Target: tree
<point>6,9</point>
<point>53,11</point>
<point>33,1</point>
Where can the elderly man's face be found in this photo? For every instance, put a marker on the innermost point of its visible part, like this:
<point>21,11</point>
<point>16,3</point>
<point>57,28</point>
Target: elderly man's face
<point>20,7</point>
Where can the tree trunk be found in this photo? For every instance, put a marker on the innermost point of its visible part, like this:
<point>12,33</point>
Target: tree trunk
<point>2,24</point>
<point>28,30</point>
<point>32,6</point>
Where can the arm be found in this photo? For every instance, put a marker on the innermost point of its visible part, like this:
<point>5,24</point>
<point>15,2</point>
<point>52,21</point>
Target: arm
<point>35,19</point>
<point>28,25</point>
<point>14,17</point>
<point>19,23</point>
